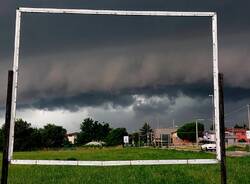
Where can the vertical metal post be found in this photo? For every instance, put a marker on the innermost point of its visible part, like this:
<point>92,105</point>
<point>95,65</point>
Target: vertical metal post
<point>216,86</point>
<point>222,133</point>
<point>14,90</point>
<point>5,160</point>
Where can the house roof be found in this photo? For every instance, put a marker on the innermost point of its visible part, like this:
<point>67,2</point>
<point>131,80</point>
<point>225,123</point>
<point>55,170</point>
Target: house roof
<point>236,130</point>
<point>158,131</point>
<point>72,134</point>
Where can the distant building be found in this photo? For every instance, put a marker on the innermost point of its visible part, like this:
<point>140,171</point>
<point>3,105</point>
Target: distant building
<point>239,133</point>
<point>230,138</point>
<point>163,136</point>
<point>72,137</point>
<point>209,136</point>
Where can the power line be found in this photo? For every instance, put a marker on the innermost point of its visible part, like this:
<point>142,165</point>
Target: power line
<point>236,110</point>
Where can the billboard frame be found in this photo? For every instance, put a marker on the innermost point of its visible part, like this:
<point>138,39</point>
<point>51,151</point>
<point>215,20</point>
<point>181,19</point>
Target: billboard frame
<point>23,10</point>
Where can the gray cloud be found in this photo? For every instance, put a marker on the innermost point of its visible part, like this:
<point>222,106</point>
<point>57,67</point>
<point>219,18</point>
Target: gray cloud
<point>104,62</point>
<point>111,69</point>
<point>118,69</point>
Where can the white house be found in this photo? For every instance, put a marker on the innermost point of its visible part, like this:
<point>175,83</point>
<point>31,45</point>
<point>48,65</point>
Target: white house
<point>72,137</point>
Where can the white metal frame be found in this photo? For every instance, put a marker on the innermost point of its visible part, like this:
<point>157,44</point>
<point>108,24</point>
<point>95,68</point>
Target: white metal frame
<point>115,13</point>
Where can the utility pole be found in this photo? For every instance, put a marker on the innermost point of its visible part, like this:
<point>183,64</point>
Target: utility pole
<point>173,123</point>
<point>197,132</point>
<point>213,126</point>
<point>158,123</point>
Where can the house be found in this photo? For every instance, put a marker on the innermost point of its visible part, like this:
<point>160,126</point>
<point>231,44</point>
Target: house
<point>209,136</point>
<point>163,136</point>
<point>239,133</point>
<point>72,137</point>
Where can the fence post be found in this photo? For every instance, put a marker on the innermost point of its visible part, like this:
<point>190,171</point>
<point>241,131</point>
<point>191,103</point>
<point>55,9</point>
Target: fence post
<point>223,169</point>
<point>5,161</point>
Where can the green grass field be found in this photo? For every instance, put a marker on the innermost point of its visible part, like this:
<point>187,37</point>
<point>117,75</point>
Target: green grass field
<point>238,168</point>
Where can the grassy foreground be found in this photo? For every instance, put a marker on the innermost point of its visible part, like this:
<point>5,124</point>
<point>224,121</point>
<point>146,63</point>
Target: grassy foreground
<point>238,168</point>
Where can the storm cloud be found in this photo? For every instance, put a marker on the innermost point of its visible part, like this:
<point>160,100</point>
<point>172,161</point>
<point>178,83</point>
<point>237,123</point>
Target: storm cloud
<point>141,67</point>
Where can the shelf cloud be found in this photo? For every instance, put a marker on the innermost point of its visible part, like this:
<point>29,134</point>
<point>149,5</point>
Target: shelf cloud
<point>141,67</point>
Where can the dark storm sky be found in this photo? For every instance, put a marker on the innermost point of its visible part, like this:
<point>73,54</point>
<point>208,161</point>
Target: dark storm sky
<point>125,70</point>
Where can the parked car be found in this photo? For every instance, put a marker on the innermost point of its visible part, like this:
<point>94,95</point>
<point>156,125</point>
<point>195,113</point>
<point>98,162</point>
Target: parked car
<point>209,147</point>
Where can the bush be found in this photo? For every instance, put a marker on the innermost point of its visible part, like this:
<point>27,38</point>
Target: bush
<point>247,148</point>
<point>242,140</point>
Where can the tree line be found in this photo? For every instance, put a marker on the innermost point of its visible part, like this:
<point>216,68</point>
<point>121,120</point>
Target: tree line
<point>27,137</point>
<point>53,136</point>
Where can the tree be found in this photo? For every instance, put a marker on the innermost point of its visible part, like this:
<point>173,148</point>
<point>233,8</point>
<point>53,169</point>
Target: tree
<point>115,136</point>
<point>188,131</point>
<point>100,131</point>
<point>53,136</point>
<point>92,131</point>
<point>145,131</point>
<point>29,138</point>
<point>135,137</point>
<point>36,137</point>
<point>25,136</point>
<point>239,126</point>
